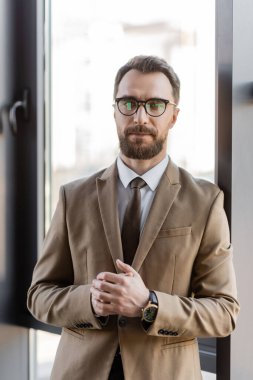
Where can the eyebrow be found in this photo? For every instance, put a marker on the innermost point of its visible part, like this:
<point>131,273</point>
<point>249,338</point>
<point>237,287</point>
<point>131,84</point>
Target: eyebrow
<point>134,97</point>
<point>127,96</point>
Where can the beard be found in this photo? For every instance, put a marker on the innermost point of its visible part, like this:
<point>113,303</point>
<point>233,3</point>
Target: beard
<point>137,149</point>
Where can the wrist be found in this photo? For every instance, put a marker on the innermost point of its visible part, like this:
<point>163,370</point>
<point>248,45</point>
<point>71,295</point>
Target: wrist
<point>144,303</point>
<point>146,299</point>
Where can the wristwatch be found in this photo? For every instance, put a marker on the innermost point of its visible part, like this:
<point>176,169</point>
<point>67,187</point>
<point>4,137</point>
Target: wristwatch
<point>149,312</point>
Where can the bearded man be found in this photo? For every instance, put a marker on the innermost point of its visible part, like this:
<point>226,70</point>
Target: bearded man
<point>137,262</point>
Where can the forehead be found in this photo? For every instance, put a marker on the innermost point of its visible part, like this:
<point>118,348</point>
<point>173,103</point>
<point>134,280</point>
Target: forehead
<point>145,85</point>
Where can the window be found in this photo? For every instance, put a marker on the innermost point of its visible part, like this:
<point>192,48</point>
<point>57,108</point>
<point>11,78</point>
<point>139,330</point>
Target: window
<point>87,49</point>
<point>86,44</point>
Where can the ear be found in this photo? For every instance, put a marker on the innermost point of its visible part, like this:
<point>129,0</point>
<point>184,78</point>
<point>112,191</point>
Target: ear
<point>174,117</point>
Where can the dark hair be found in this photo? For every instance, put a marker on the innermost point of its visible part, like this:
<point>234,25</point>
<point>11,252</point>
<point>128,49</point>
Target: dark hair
<point>149,64</point>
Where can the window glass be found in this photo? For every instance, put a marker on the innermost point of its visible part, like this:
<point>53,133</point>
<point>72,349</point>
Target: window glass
<point>86,43</point>
<point>43,346</point>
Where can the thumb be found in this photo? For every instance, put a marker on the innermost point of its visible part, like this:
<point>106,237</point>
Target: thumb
<point>125,268</point>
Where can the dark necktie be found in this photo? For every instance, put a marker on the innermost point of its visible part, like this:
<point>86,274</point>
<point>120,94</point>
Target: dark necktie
<point>131,225</point>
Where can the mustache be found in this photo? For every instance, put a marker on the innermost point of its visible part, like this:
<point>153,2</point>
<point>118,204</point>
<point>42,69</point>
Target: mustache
<point>141,129</point>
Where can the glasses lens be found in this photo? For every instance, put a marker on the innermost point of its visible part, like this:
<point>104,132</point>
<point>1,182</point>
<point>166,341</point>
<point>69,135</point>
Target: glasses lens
<point>127,106</point>
<point>155,107</point>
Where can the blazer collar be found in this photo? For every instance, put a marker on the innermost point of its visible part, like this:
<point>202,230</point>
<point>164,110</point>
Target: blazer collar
<point>108,205</point>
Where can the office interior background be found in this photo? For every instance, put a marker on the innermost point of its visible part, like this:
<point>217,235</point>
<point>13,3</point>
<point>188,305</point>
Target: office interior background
<point>58,62</point>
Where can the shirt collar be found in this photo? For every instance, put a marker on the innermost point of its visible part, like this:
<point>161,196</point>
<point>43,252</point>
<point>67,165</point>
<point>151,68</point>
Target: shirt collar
<point>151,177</point>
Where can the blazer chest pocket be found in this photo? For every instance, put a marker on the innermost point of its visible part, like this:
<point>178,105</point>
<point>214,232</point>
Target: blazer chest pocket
<point>174,232</point>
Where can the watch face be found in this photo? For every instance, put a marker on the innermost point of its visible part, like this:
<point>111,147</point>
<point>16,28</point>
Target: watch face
<point>149,314</point>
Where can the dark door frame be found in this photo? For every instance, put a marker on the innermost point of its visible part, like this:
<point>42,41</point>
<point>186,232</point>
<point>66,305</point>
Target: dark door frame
<point>223,144</point>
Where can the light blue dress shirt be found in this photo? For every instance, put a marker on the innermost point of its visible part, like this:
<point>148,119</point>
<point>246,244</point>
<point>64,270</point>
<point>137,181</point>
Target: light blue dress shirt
<point>151,177</point>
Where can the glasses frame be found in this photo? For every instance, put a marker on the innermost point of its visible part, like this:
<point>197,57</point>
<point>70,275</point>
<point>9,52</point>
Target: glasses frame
<point>143,103</point>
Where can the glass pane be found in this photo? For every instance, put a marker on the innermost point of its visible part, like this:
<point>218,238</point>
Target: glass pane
<point>43,346</point>
<point>87,48</point>
<point>208,376</point>
<point>86,44</point>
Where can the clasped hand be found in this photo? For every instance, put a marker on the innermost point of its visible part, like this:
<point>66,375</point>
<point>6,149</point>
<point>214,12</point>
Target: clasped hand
<point>121,294</point>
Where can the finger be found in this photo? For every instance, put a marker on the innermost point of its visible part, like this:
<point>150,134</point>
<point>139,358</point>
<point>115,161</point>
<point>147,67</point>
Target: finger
<point>125,267</point>
<point>128,274</point>
<point>108,286</point>
<point>99,308</point>
<point>101,296</point>
<point>104,303</point>
<point>105,308</point>
<point>113,278</point>
<point>97,284</point>
<point>106,275</point>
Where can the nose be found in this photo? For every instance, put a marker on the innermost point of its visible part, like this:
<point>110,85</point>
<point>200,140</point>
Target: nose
<point>141,117</point>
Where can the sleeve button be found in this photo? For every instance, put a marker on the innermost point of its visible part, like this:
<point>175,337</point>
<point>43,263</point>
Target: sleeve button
<point>81,325</point>
<point>122,322</point>
<point>161,332</point>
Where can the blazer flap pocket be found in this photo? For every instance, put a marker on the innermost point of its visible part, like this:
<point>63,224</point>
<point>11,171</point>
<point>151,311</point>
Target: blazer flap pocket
<point>178,342</point>
<point>78,333</point>
<point>173,232</point>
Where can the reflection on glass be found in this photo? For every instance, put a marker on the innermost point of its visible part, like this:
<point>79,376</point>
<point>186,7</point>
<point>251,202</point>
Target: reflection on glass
<point>89,42</point>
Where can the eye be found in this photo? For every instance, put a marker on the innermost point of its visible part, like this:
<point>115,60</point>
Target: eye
<point>129,104</point>
<point>155,105</point>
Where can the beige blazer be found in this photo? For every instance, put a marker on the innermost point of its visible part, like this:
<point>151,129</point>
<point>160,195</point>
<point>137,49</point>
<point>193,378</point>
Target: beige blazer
<point>184,255</point>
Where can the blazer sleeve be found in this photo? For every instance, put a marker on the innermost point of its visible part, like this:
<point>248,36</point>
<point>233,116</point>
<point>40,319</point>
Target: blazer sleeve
<point>212,308</point>
<point>52,297</point>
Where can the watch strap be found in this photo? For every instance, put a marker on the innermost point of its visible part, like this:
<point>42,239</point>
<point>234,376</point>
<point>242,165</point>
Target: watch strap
<point>152,302</point>
<point>153,298</point>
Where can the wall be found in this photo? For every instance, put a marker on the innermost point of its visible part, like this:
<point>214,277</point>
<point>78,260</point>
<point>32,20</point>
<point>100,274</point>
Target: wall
<point>13,353</point>
<point>242,186</point>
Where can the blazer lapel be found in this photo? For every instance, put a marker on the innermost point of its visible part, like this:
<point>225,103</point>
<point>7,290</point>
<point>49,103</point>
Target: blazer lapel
<point>108,205</point>
<point>165,195</point>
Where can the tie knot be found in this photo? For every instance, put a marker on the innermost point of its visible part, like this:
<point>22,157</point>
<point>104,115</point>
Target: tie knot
<point>137,183</point>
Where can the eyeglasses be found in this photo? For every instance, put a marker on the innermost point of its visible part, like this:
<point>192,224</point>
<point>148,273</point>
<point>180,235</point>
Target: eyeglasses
<point>154,107</point>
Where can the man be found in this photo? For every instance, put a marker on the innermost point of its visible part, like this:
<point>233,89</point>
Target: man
<point>132,307</point>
